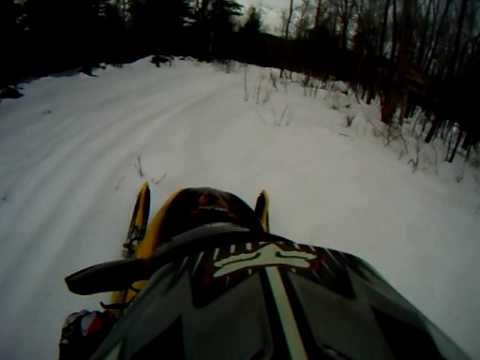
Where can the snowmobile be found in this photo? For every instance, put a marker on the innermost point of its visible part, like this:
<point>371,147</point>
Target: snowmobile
<point>206,279</point>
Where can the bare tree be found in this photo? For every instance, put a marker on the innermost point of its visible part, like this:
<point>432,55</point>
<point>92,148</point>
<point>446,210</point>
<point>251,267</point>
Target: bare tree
<point>394,31</point>
<point>456,48</point>
<point>345,14</point>
<point>384,27</point>
<point>303,22</point>
<point>288,20</point>
<point>320,10</point>
<point>438,32</point>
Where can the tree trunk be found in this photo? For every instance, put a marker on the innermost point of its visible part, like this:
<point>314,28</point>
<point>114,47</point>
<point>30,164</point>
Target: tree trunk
<point>435,43</point>
<point>469,148</point>
<point>394,32</point>
<point>423,41</point>
<point>405,34</point>
<point>317,14</point>
<point>400,86</point>
<point>395,93</point>
<point>463,55</point>
<point>456,48</point>
<point>334,25</point>
<point>444,130</point>
<point>289,20</point>
<point>371,92</point>
<point>384,29</point>
<point>466,141</point>
<point>432,33</point>
<point>459,139</point>
<point>424,124</point>
<point>286,34</point>
<point>345,21</point>
<point>436,122</point>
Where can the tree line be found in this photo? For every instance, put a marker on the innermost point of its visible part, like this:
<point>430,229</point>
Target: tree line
<point>45,36</point>
<point>409,53</point>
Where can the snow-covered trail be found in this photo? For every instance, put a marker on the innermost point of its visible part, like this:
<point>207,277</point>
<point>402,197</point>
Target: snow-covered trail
<point>69,157</point>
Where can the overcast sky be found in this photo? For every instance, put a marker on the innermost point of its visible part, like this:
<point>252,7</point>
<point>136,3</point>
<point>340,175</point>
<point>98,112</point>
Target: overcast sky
<point>271,11</point>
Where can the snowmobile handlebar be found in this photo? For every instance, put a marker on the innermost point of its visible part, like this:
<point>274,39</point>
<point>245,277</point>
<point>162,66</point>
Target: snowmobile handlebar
<point>109,276</point>
<point>119,275</point>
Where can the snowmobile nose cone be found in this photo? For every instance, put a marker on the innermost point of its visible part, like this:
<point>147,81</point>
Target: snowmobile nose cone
<point>211,200</point>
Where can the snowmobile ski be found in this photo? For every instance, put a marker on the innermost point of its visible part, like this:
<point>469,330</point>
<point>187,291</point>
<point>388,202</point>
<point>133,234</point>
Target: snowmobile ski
<point>136,233</point>
<point>138,222</point>
<point>261,210</point>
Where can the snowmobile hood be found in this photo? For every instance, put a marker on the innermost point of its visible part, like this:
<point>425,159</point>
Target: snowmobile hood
<point>221,286</point>
<point>242,295</point>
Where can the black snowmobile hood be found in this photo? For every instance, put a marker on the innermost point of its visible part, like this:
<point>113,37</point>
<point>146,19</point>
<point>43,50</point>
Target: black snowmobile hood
<point>238,294</point>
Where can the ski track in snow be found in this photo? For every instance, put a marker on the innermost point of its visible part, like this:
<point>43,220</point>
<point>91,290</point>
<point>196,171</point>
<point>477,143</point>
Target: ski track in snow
<point>68,181</point>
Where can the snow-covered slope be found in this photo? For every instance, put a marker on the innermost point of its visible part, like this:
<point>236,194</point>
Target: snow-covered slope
<point>71,149</point>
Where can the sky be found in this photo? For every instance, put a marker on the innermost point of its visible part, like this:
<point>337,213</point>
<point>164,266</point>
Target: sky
<point>271,12</point>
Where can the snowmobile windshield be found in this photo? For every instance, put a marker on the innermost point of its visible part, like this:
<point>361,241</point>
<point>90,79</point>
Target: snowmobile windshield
<point>194,207</point>
<point>257,295</point>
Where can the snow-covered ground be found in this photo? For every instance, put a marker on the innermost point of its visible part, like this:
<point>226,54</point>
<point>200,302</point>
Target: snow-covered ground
<point>70,152</point>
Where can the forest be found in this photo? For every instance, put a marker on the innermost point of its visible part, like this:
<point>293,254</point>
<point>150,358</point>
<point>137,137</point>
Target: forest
<point>411,54</point>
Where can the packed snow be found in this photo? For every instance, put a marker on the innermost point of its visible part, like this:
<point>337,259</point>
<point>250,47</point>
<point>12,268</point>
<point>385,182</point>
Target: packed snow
<point>75,150</point>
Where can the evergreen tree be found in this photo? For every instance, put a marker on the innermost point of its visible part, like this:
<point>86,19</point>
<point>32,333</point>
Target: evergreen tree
<point>216,20</point>
<point>11,38</point>
<point>250,37</point>
<point>159,25</point>
<point>253,24</point>
<point>66,34</point>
